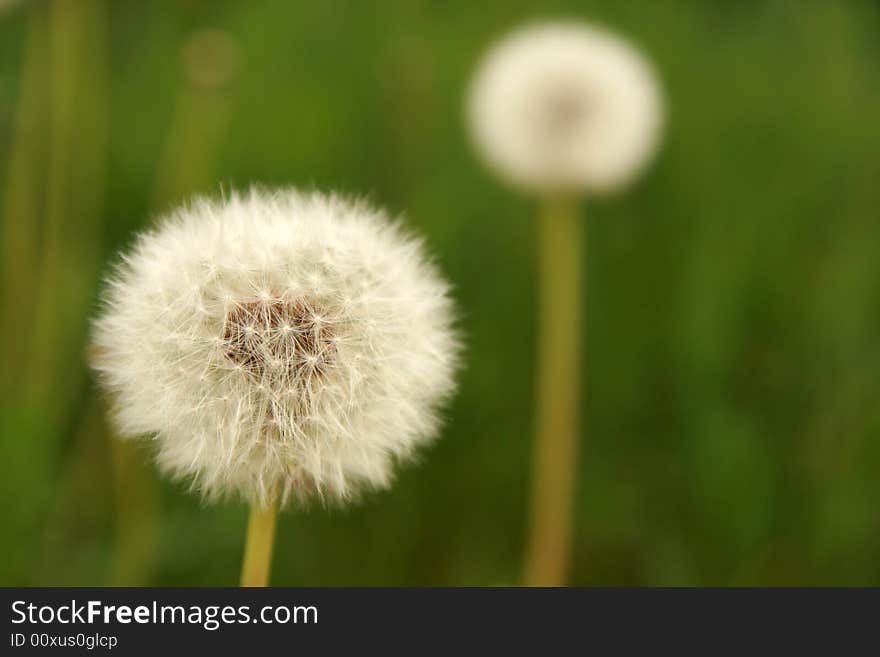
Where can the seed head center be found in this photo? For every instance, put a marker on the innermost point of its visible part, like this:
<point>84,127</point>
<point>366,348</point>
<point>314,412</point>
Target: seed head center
<point>282,340</point>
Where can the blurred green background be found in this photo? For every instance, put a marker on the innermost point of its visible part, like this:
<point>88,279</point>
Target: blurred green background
<point>731,415</point>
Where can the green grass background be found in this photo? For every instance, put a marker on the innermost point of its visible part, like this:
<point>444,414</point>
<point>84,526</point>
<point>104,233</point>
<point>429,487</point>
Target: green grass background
<point>731,428</point>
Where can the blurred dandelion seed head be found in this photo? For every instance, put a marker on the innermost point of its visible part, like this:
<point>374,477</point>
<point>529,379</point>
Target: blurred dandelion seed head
<point>9,5</point>
<point>211,58</point>
<point>278,345</point>
<point>565,107</point>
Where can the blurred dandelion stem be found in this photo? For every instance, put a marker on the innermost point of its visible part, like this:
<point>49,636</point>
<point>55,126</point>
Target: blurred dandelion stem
<point>555,456</point>
<point>138,505</point>
<point>197,131</point>
<point>258,545</point>
<point>21,206</point>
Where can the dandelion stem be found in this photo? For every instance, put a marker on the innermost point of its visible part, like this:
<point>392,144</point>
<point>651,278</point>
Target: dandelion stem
<point>20,237</point>
<point>258,545</point>
<point>555,456</point>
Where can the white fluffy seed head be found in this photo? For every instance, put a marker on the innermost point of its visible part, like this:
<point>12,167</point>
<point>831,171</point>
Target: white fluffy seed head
<point>278,346</point>
<point>565,107</point>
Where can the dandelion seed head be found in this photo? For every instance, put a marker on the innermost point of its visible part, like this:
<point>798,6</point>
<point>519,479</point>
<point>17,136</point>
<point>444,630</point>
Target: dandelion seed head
<point>211,58</point>
<point>278,345</point>
<point>565,107</point>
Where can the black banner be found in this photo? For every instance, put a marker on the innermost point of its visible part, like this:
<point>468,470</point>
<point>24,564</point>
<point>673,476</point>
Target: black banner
<point>413,621</point>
